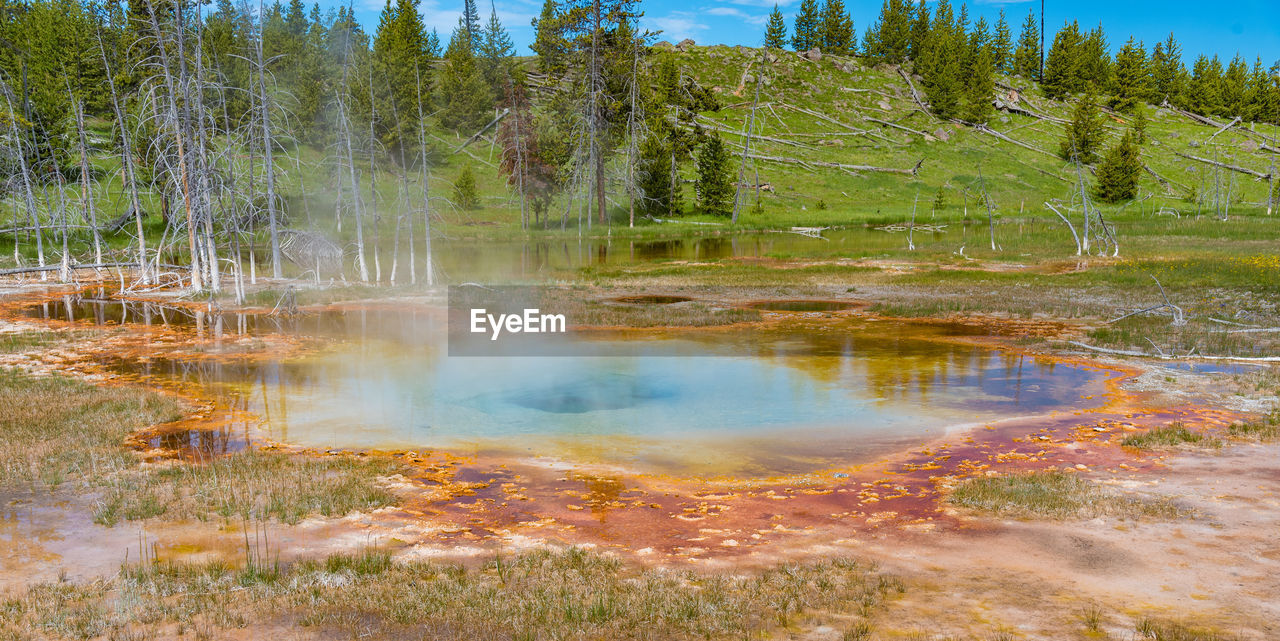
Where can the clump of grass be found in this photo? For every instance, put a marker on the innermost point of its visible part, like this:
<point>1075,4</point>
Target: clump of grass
<point>860,631</point>
<point>1267,429</point>
<point>250,485</point>
<point>1054,494</point>
<point>1156,630</point>
<point>1171,435</point>
<point>58,429</point>
<point>1092,617</point>
<point>22,341</point>
<point>570,594</point>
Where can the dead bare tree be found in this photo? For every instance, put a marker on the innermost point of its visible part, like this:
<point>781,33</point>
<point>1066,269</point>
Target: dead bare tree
<point>344,139</point>
<point>129,173</point>
<point>986,200</point>
<point>28,192</point>
<point>1079,244</point>
<point>86,179</point>
<point>264,104</point>
<point>426,180</point>
<point>746,150</point>
<point>176,125</point>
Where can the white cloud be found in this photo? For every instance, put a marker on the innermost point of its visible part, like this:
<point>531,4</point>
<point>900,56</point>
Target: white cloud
<point>739,14</point>
<point>675,26</point>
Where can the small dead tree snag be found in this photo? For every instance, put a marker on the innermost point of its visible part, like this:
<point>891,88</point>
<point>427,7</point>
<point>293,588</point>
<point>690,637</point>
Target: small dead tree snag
<point>746,150</point>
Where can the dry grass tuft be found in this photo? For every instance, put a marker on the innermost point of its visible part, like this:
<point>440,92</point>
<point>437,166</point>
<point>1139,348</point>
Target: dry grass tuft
<point>1055,494</point>
<point>569,594</point>
<point>1171,435</point>
<point>1157,630</point>
<point>59,430</point>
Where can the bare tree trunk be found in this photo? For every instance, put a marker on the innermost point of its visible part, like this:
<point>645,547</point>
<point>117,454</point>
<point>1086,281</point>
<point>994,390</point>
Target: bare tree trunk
<point>373,185</point>
<point>196,282</point>
<point>632,134</point>
<point>596,89</point>
<point>911,230</point>
<point>986,200</point>
<point>426,186</point>
<point>64,274</point>
<point>1271,186</point>
<point>126,160</point>
<point>202,163</point>
<point>1084,198</point>
<point>746,149</point>
<point>1079,245</point>
<point>265,105</point>
<point>28,191</point>
<point>86,191</point>
<point>345,133</point>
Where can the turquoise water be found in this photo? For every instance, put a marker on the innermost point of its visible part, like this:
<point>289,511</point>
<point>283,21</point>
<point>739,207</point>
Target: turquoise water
<point>758,401</point>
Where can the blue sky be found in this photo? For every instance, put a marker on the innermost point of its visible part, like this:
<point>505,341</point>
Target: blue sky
<point>1251,27</point>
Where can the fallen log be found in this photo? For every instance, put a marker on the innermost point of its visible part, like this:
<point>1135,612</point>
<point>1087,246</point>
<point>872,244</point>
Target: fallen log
<point>465,151</point>
<point>1243,170</point>
<point>835,165</point>
<point>1168,184</point>
<point>897,126</point>
<point>914,96</point>
<point>483,129</point>
<point>722,129</point>
<point>1225,127</point>
<point>988,130</point>
<point>53,268</point>
<point>1126,352</point>
<point>822,117</point>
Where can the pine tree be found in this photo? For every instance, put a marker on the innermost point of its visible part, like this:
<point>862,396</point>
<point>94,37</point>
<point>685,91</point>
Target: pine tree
<point>399,55</point>
<point>1259,96</point>
<point>549,40</point>
<point>919,30</point>
<point>465,195</point>
<point>836,29</point>
<point>464,96</point>
<point>496,50</point>
<point>1063,65</point>
<point>1235,92</point>
<point>1167,73</point>
<point>889,39</point>
<point>714,183</point>
<point>1119,172</point>
<point>432,46</point>
<point>471,23</point>
<point>1095,61</point>
<point>1002,46</point>
<point>775,32</point>
<point>980,88</point>
<point>1026,58</point>
<point>1085,131</point>
<point>805,35</point>
<point>1203,94</point>
<point>1130,84</point>
<point>1140,124</point>
<point>943,63</point>
<point>659,192</point>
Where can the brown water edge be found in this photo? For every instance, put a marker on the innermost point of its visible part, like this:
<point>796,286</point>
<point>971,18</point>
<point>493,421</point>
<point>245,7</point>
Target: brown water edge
<point>458,505</point>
